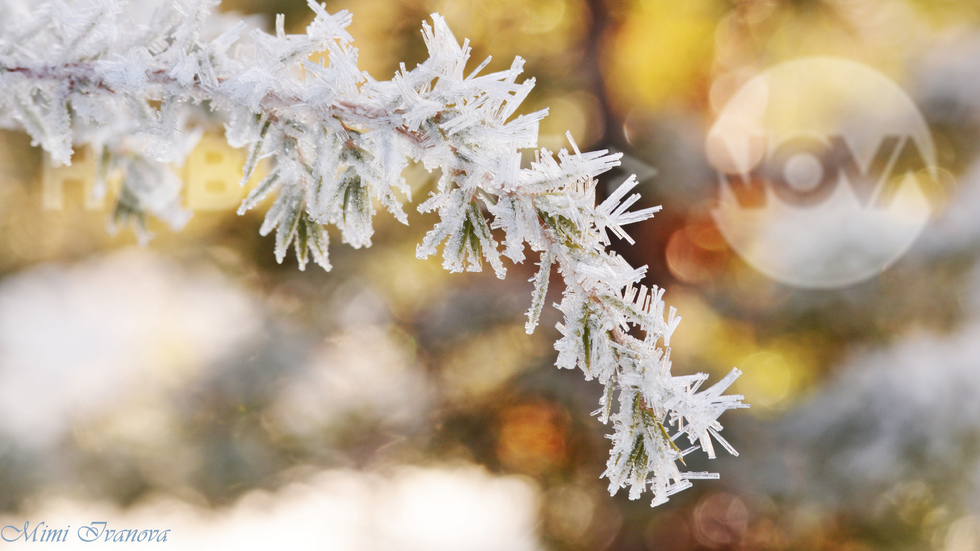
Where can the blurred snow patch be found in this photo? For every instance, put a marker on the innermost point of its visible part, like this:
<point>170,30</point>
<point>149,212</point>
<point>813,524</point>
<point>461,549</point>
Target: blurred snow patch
<point>906,411</point>
<point>75,341</point>
<point>363,371</point>
<point>411,509</point>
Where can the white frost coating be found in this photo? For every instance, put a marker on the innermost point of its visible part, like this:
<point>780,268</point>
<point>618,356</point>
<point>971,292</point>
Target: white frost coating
<point>90,73</point>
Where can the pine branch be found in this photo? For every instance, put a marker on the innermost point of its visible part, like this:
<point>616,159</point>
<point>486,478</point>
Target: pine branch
<point>338,141</point>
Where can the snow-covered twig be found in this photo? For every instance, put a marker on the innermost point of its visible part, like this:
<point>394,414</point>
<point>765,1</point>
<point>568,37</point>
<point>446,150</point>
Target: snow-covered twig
<point>339,141</point>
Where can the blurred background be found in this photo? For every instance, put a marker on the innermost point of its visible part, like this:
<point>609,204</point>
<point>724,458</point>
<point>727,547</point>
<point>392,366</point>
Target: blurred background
<point>195,384</point>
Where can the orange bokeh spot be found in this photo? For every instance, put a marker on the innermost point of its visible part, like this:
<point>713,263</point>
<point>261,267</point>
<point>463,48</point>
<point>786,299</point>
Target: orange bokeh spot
<point>696,252</point>
<point>532,437</point>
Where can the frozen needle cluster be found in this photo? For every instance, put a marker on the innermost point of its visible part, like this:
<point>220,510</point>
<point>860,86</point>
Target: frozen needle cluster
<point>139,91</point>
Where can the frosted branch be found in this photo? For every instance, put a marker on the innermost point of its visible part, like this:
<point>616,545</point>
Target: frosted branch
<point>337,141</point>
